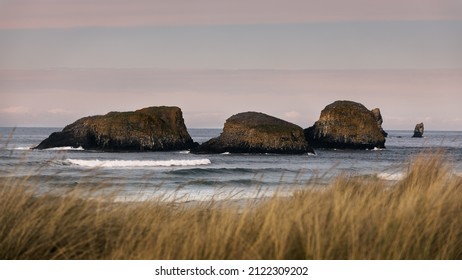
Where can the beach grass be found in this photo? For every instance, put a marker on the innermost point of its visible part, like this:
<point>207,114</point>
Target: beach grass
<point>418,217</point>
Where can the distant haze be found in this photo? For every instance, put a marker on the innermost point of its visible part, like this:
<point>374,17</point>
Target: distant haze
<point>62,60</point>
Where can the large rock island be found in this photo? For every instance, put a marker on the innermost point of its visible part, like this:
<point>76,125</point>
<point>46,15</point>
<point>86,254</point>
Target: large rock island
<point>253,132</point>
<point>148,129</point>
<point>347,125</point>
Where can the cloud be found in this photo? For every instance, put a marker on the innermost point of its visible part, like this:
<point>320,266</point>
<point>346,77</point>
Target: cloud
<point>295,117</point>
<point>292,115</point>
<point>15,110</point>
<point>209,97</point>
<point>113,13</point>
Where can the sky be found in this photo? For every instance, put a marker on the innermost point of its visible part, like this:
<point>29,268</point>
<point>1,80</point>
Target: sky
<point>61,60</point>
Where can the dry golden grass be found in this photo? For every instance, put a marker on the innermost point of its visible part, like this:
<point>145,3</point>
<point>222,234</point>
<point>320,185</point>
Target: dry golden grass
<point>419,217</point>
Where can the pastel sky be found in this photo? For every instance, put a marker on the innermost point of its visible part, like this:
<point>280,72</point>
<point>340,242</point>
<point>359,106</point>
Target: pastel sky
<point>64,59</point>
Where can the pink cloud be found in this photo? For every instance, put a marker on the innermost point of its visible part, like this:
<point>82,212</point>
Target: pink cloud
<point>15,110</point>
<point>113,13</point>
<point>209,97</point>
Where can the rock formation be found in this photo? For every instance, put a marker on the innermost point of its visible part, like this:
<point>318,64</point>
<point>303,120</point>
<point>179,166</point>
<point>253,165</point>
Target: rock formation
<point>418,130</point>
<point>379,120</point>
<point>253,132</point>
<point>149,129</point>
<point>347,125</point>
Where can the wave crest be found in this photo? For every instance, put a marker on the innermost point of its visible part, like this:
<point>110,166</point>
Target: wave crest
<point>65,149</point>
<point>391,176</point>
<point>136,163</point>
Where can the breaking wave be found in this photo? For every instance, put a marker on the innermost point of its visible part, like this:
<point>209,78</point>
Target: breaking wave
<point>136,163</point>
<point>391,176</point>
<point>66,149</point>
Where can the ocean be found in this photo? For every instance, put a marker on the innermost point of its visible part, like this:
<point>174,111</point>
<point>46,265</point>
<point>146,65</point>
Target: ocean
<point>182,176</point>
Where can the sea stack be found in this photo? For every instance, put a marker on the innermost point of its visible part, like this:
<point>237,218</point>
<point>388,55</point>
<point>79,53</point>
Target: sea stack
<point>347,125</point>
<point>418,130</point>
<point>379,120</point>
<point>149,129</point>
<point>253,132</point>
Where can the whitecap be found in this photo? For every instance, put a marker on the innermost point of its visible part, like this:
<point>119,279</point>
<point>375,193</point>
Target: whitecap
<point>136,163</point>
<point>22,148</point>
<point>391,176</point>
<point>65,149</point>
<point>225,153</point>
<point>228,195</point>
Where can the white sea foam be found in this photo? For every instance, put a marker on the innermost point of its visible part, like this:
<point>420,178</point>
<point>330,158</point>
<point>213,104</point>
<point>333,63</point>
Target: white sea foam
<point>226,153</point>
<point>391,176</point>
<point>136,163</point>
<point>65,149</point>
<point>375,149</point>
<point>229,195</point>
<point>22,148</point>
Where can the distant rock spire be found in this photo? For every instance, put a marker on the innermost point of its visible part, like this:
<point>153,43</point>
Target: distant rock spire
<point>418,130</point>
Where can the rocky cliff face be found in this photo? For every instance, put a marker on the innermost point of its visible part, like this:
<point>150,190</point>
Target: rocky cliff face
<point>253,132</point>
<point>379,120</point>
<point>418,130</point>
<point>149,129</point>
<point>347,125</point>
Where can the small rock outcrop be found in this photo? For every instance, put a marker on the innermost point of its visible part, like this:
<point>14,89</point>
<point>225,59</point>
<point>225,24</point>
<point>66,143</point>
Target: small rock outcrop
<point>148,129</point>
<point>418,130</point>
<point>253,132</point>
<point>379,120</point>
<point>347,125</point>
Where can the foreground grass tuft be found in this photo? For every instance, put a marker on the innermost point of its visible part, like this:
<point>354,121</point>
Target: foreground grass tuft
<point>419,217</point>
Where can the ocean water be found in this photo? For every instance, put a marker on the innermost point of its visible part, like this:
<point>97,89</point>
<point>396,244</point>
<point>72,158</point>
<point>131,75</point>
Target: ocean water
<point>183,176</point>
